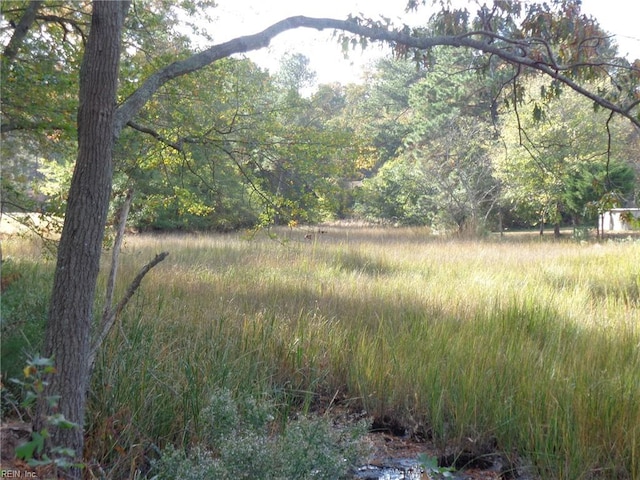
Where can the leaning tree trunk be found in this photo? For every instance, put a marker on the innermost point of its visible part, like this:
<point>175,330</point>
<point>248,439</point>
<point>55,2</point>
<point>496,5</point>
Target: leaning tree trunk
<point>68,329</point>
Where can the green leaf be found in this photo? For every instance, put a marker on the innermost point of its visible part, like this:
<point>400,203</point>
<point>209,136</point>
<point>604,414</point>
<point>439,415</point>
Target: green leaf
<point>29,399</point>
<point>41,362</point>
<point>39,463</point>
<point>53,400</point>
<point>64,451</point>
<point>427,462</point>
<point>25,451</point>
<point>35,445</point>
<point>58,420</point>
<point>538,113</point>
<point>64,463</point>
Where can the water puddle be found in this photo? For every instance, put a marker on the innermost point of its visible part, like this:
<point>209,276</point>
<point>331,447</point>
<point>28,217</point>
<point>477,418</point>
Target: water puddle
<point>397,469</point>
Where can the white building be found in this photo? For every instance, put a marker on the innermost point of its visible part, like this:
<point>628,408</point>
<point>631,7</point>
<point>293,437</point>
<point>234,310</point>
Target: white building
<point>616,219</point>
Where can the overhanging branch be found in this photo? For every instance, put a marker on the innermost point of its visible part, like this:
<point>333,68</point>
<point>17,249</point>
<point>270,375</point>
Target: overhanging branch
<point>515,56</point>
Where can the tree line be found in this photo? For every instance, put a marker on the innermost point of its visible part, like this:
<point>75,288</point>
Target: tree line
<point>432,143</point>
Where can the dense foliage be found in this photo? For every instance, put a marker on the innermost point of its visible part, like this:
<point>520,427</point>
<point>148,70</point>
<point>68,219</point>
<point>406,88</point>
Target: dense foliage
<point>434,143</point>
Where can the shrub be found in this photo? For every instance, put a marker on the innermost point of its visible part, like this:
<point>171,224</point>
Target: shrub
<point>241,444</point>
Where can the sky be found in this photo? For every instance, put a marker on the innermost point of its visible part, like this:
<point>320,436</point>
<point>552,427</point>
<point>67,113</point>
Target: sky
<point>242,17</point>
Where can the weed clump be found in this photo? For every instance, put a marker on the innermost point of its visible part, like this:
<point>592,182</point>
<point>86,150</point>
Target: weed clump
<point>243,441</point>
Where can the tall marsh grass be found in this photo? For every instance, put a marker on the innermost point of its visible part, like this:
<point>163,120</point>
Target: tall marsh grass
<point>533,344</point>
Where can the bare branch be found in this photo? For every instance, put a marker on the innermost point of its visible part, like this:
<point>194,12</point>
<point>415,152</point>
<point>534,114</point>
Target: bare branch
<point>109,320</point>
<point>64,24</point>
<point>29,16</point>
<point>110,314</point>
<point>608,125</point>
<point>150,131</point>
<point>117,244</point>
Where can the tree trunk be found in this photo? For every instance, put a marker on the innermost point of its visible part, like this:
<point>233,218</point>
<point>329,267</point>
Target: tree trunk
<point>70,312</point>
<point>541,228</point>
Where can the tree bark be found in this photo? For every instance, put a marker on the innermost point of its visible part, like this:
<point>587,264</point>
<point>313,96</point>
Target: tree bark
<point>67,336</point>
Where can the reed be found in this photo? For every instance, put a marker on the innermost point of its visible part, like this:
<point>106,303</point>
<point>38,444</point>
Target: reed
<point>533,344</point>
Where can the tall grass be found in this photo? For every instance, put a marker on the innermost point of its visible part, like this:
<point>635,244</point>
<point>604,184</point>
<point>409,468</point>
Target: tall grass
<point>26,285</point>
<point>534,344</point>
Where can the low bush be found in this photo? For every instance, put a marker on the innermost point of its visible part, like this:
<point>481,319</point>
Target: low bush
<point>244,443</point>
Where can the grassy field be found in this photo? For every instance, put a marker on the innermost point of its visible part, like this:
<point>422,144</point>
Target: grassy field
<point>534,344</point>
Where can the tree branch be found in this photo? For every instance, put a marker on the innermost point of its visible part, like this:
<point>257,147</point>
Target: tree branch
<point>150,131</point>
<point>111,314</point>
<point>117,244</point>
<point>63,22</point>
<point>29,16</point>
<point>137,100</point>
<point>110,317</point>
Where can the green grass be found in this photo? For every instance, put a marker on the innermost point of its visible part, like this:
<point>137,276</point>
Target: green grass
<point>535,344</point>
<point>25,298</point>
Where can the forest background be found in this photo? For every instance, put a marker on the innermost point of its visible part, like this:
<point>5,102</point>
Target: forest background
<point>237,146</point>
